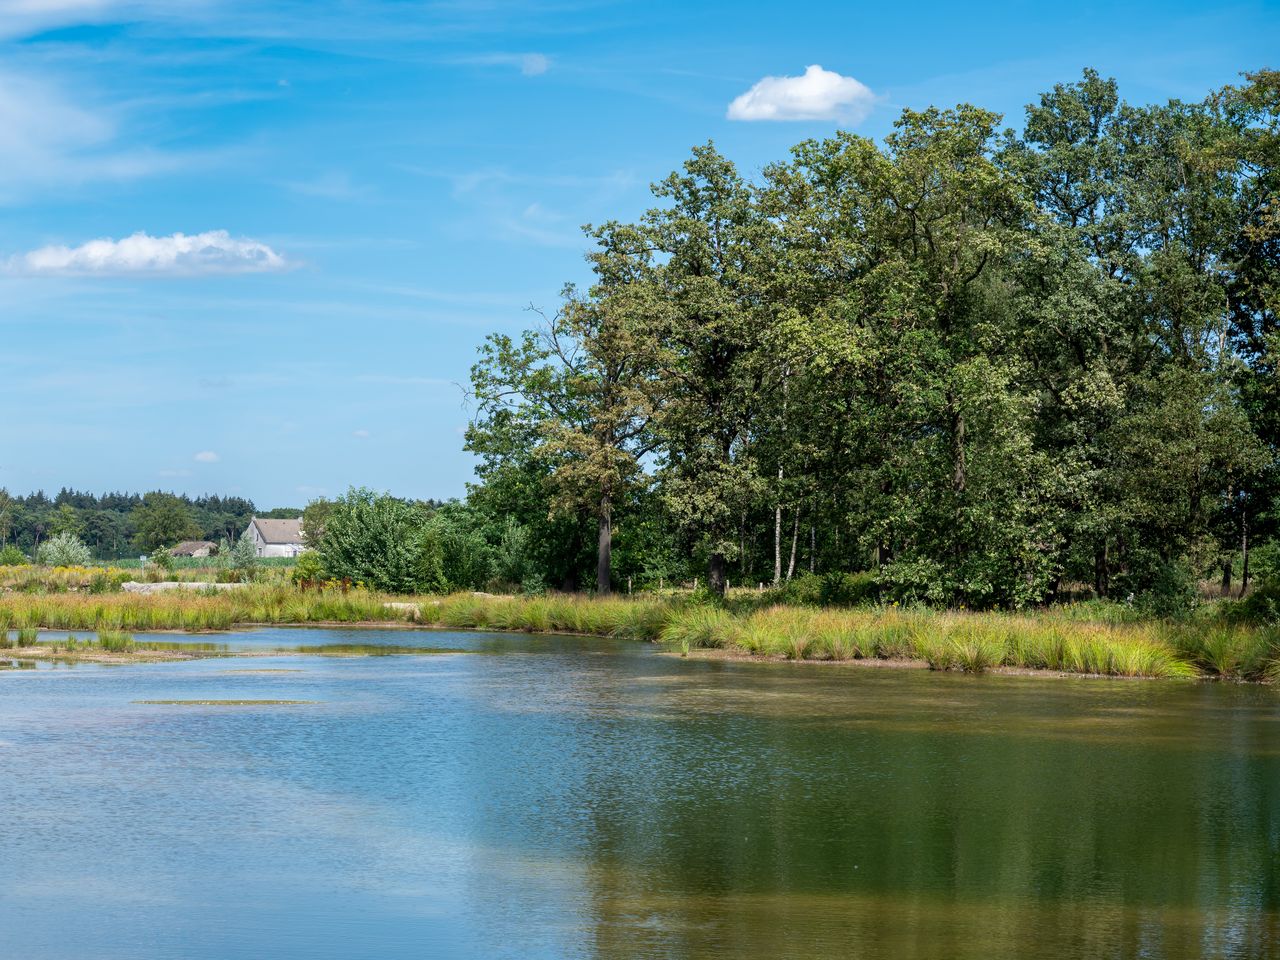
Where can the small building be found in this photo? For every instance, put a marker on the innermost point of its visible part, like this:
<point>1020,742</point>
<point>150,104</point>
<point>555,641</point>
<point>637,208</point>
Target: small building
<point>194,548</point>
<point>276,538</point>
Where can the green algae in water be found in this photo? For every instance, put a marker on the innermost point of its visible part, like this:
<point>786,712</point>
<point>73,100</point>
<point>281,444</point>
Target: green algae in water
<point>367,650</point>
<point>227,703</point>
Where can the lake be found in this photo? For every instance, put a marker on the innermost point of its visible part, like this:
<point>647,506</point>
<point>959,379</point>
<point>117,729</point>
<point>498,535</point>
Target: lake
<point>548,797</point>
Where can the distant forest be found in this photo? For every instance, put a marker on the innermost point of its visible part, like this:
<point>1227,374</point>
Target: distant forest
<point>118,525</point>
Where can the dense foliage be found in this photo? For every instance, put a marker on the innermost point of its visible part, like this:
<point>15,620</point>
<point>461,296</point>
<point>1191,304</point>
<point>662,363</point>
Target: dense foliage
<point>983,368</point>
<point>117,525</point>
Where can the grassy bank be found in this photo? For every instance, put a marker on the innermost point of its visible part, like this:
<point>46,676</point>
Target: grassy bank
<point>1083,639</point>
<point>191,610</point>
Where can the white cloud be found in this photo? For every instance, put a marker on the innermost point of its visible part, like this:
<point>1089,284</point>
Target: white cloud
<point>214,251</point>
<point>362,434</point>
<point>816,95</point>
<point>533,64</point>
<point>206,456</point>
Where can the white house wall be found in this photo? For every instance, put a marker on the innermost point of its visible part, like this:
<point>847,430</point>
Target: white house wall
<point>277,549</point>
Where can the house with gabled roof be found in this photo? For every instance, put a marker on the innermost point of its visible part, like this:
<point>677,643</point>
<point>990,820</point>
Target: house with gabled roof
<point>276,538</point>
<point>194,548</point>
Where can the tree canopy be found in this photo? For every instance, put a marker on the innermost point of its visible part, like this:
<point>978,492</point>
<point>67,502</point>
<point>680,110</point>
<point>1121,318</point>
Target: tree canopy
<point>988,367</point>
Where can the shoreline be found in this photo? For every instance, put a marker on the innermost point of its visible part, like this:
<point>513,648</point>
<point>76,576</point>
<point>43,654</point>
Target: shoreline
<point>46,653</point>
<point>1054,641</point>
<point>901,663</point>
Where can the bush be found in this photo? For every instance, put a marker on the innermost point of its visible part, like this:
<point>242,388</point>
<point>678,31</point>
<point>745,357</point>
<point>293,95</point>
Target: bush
<point>162,558</point>
<point>466,556</point>
<point>382,542</point>
<point>63,550</point>
<point>1260,605</point>
<point>847,589</point>
<point>1265,563</point>
<point>243,556</point>
<point>837,589</point>
<point>308,569</point>
<point>11,556</point>
<point>1173,592</point>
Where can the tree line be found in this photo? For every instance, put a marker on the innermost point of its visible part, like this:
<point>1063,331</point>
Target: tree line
<point>119,525</point>
<point>985,367</point>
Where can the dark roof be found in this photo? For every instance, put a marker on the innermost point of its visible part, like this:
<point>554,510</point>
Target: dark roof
<point>191,546</point>
<point>279,531</point>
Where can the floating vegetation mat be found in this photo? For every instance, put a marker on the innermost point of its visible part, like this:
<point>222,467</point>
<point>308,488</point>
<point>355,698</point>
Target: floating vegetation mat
<point>366,650</point>
<point>227,703</point>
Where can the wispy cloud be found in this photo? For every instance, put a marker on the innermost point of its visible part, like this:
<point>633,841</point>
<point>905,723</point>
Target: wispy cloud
<point>23,17</point>
<point>530,64</point>
<point>404,381</point>
<point>46,138</point>
<point>817,94</point>
<point>179,254</point>
<point>334,185</point>
<point>542,226</point>
<point>206,456</point>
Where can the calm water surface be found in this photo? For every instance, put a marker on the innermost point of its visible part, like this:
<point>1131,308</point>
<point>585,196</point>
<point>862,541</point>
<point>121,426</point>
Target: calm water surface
<point>558,797</point>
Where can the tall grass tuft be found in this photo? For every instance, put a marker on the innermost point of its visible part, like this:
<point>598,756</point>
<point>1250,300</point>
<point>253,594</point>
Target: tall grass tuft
<point>116,641</point>
<point>700,626</point>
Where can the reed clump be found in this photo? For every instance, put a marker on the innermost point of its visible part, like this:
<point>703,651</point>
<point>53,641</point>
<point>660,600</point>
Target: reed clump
<point>969,642</point>
<point>639,619</point>
<point>116,641</point>
<point>193,610</point>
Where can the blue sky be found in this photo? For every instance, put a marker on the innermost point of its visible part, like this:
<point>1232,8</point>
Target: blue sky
<point>374,186</point>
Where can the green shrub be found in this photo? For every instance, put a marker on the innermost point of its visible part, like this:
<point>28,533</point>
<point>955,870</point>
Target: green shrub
<point>11,556</point>
<point>1260,605</point>
<point>805,590</point>
<point>63,550</point>
<point>308,568</point>
<point>1158,588</point>
<point>835,589</point>
<point>382,542</point>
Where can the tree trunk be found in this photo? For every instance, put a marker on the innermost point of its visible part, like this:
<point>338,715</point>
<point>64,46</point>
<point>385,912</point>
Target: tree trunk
<point>1101,573</point>
<point>795,534</point>
<point>777,510</point>
<point>1226,576</point>
<point>813,540</point>
<point>717,574</point>
<point>1244,549</point>
<point>604,548</point>
<point>958,478</point>
<point>777,544</point>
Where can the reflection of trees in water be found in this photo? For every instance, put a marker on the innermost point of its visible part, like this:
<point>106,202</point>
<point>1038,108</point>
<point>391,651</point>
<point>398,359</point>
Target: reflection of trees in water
<point>1006,820</point>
